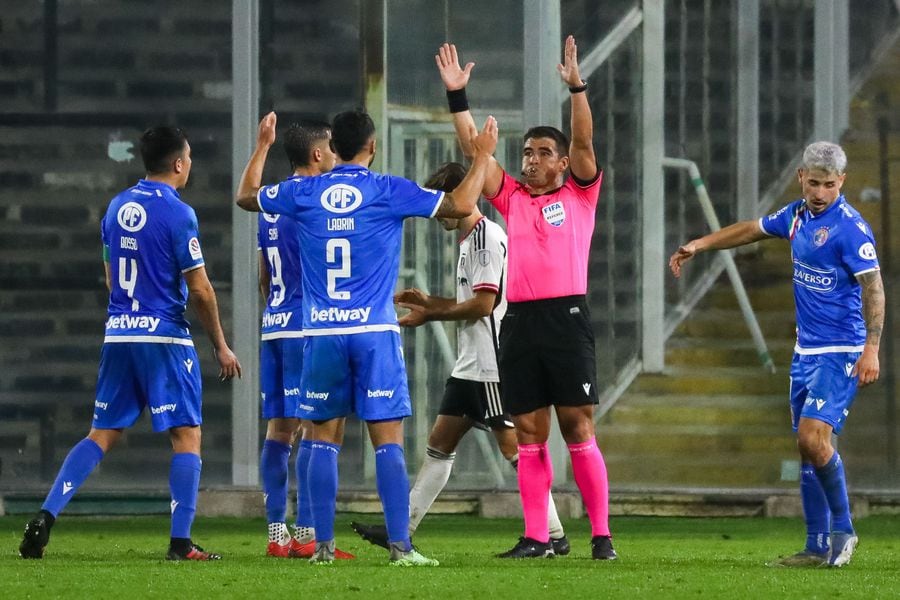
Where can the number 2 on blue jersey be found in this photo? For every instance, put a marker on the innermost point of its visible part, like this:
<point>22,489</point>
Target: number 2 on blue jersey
<point>340,272</point>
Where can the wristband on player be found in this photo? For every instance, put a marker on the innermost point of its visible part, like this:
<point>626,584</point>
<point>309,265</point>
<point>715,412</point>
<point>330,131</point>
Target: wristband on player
<point>576,89</point>
<point>457,100</point>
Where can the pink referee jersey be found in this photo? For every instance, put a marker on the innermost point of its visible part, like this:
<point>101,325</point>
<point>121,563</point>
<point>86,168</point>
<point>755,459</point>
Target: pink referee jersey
<point>549,238</point>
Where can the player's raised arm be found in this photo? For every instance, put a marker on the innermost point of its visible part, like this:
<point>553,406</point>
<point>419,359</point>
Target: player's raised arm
<point>455,79</point>
<point>461,201</point>
<point>582,160</point>
<point>251,178</point>
<point>203,298</point>
<point>736,234</point>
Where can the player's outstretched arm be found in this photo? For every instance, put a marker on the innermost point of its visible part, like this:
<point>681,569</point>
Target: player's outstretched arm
<point>867,367</point>
<point>737,234</point>
<point>265,279</point>
<point>582,160</point>
<point>461,201</point>
<point>203,298</point>
<point>455,79</point>
<point>251,178</point>
<point>446,309</point>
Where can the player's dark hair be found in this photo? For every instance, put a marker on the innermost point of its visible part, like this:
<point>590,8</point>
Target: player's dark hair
<point>350,132</point>
<point>159,146</point>
<point>447,177</point>
<point>300,139</point>
<point>545,131</point>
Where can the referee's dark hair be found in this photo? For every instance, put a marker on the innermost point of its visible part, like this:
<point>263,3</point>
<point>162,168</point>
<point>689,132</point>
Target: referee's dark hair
<point>350,132</point>
<point>160,146</point>
<point>447,177</point>
<point>300,139</point>
<point>546,131</point>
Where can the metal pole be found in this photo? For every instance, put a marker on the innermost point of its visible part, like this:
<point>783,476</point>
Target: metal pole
<point>747,141</point>
<point>884,259</point>
<point>713,221</point>
<point>245,295</point>
<point>823,67</point>
<point>652,209</point>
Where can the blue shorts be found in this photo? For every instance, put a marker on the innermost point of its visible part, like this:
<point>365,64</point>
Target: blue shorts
<point>280,370</point>
<point>360,373</point>
<point>137,374</point>
<point>822,388</point>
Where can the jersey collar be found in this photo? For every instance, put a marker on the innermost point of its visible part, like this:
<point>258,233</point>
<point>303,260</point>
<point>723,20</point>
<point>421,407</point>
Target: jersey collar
<point>159,186</point>
<point>828,211</point>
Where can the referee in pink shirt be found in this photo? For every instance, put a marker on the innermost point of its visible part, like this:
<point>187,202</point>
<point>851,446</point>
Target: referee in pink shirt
<point>546,341</point>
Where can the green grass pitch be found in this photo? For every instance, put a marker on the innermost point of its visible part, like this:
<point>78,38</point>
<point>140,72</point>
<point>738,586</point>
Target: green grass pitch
<point>660,558</point>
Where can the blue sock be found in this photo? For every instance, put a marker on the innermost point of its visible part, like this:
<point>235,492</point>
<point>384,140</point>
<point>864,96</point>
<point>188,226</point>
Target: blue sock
<point>815,509</point>
<point>79,463</point>
<point>833,481</point>
<point>184,481</point>
<point>273,467</point>
<point>393,488</point>
<point>304,511</point>
<point>323,484</point>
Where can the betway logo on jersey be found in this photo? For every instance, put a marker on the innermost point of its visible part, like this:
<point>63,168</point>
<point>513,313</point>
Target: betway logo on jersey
<point>817,280</point>
<point>340,315</point>
<point>380,393</point>
<point>158,410</point>
<point>130,322</point>
<point>276,319</point>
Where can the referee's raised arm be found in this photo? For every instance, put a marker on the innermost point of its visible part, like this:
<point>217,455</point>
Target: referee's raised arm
<point>582,161</point>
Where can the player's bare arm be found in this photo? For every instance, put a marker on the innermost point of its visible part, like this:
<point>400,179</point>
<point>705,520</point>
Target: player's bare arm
<point>107,275</point>
<point>446,309</point>
<point>251,178</point>
<point>867,367</point>
<point>203,298</point>
<point>264,277</point>
<point>582,160</point>
<point>736,234</point>
<point>455,79</point>
<point>461,201</point>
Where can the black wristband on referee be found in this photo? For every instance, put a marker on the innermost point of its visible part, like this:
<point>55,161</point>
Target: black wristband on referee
<point>575,89</point>
<point>457,100</point>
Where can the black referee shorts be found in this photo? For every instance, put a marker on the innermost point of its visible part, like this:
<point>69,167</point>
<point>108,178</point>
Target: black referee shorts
<point>477,400</point>
<point>547,355</point>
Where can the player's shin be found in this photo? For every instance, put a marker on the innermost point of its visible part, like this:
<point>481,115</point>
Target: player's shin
<point>393,489</point>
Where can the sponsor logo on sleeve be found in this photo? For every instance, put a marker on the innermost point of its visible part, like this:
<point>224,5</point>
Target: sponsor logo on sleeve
<point>341,198</point>
<point>272,192</point>
<point>483,257</point>
<point>268,217</point>
<point>131,217</point>
<point>194,247</point>
<point>867,251</point>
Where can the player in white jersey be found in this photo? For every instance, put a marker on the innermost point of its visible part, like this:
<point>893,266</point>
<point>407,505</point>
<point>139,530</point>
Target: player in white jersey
<point>472,393</point>
<point>154,265</point>
<point>350,226</point>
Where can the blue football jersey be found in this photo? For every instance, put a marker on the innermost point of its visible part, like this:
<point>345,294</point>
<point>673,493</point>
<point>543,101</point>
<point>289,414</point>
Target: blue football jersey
<point>150,238</point>
<point>350,222</point>
<point>828,251</point>
<point>279,243</point>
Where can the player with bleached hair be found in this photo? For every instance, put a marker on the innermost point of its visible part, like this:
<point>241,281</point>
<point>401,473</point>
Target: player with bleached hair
<point>839,299</point>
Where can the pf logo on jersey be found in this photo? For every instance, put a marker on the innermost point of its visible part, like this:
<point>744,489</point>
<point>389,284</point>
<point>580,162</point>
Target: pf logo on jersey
<point>867,251</point>
<point>341,198</point>
<point>131,217</point>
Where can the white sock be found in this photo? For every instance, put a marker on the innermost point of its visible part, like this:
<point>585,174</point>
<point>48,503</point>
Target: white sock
<point>556,528</point>
<point>278,532</point>
<point>430,481</point>
<point>304,535</point>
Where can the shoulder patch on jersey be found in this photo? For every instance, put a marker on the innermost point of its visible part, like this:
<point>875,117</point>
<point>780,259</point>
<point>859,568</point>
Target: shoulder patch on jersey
<point>867,251</point>
<point>194,248</point>
<point>270,218</point>
<point>132,217</point>
<point>483,257</point>
<point>341,198</point>
<point>272,192</point>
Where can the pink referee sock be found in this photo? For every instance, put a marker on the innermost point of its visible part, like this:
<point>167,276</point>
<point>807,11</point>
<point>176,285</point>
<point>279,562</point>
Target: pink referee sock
<point>590,475</point>
<point>535,473</point>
